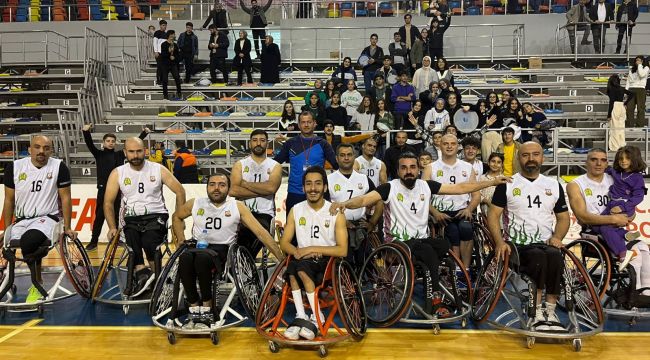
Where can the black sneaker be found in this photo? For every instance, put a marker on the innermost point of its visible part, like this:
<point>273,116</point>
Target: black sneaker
<point>143,278</point>
<point>91,246</point>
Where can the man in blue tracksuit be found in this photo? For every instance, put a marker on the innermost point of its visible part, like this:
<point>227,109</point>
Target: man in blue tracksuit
<point>302,152</point>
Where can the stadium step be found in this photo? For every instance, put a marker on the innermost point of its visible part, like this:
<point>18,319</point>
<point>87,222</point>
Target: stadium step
<point>71,71</point>
<point>117,129</point>
<point>560,78</point>
<point>573,92</point>
<point>584,107</point>
<point>135,111</point>
<point>66,86</point>
<point>142,96</point>
<point>556,65</point>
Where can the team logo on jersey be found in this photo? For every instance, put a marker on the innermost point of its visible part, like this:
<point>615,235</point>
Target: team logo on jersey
<point>302,221</point>
<point>548,192</point>
<point>464,173</point>
<point>127,181</point>
<point>152,178</point>
<point>22,177</point>
<point>246,169</point>
<point>439,173</point>
<point>227,213</point>
<point>337,187</point>
<point>49,175</point>
<point>200,212</point>
<point>516,192</point>
<point>421,197</point>
<point>327,223</point>
<point>400,197</point>
<point>588,192</point>
<point>360,186</point>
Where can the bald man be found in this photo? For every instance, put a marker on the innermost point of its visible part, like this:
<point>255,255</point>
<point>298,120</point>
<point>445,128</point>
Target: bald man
<point>143,210</point>
<point>535,202</point>
<point>34,186</point>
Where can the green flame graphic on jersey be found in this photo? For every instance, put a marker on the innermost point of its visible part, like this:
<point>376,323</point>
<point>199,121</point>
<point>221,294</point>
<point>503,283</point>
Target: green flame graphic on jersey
<point>517,232</point>
<point>401,234</point>
<point>252,204</point>
<point>439,203</point>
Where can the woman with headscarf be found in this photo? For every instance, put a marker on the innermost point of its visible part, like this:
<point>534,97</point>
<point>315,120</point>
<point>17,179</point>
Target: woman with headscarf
<point>423,76</point>
<point>344,73</point>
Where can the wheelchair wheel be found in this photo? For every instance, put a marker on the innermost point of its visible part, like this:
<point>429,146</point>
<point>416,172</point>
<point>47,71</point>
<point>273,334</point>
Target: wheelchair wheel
<point>111,249</point>
<point>77,266</point>
<point>483,241</point>
<point>271,297</point>
<point>163,291</point>
<point>462,284</point>
<point>583,298</point>
<point>247,280</point>
<point>489,284</point>
<point>595,260</point>
<point>387,279</point>
<point>349,299</point>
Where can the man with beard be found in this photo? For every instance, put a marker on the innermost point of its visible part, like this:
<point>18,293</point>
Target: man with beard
<point>37,193</point>
<point>319,236</point>
<point>143,210</point>
<point>393,153</point>
<point>345,183</point>
<point>216,221</point>
<point>367,163</point>
<point>255,180</point>
<point>454,211</point>
<point>406,218</point>
<point>535,202</point>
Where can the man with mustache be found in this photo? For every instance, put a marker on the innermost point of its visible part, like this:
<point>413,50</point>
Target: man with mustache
<point>535,202</point>
<point>33,188</point>
<point>255,180</point>
<point>216,221</point>
<point>143,209</point>
<point>406,218</point>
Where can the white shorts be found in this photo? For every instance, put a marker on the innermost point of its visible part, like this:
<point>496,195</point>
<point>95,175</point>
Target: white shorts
<point>44,224</point>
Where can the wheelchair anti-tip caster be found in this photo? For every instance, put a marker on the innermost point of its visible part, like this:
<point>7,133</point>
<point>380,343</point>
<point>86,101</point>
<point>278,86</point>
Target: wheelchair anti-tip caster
<point>577,345</point>
<point>274,347</point>
<point>171,337</point>
<point>125,309</point>
<point>436,329</point>
<point>530,342</point>
<point>322,351</point>
<point>214,337</point>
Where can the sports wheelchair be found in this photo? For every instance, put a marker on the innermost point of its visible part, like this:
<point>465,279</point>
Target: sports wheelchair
<point>337,294</point>
<point>76,265</point>
<point>240,278</point>
<point>615,288</point>
<point>578,302</point>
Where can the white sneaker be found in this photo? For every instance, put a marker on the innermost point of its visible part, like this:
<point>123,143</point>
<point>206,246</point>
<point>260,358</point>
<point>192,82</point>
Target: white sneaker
<point>632,235</point>
<point>307,333</point>
<point>292,333</point>
<point>629,255</point>
<point>539,324</point>
<point>553,322</point>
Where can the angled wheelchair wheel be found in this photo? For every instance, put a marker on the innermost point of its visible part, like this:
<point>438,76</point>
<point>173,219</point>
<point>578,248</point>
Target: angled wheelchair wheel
<point>387,278</point>
<point>271,298</point>
<point>247,280</point>
<point>483,242</point>
<point>104,268</point>
<point>77,266</point>
<point>456,284</point>
<point>488,287</point>
<point>595,259</point>
<point>583,296</point>
<point>163,291</point>
<point>349,299</point>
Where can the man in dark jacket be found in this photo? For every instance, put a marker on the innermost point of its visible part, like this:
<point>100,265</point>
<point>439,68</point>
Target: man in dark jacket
<point>185,169</point>
<point>106,160</point>
<point>159,37</point>
<point>392,154</point>
<point>219,17</point>
<point>600,15</point>
<point>408,33</point>
<point>258,22</point>
<point>218,46</point>
<point>188,43</point>
<point>381,91</point>
<point>375,54</point>
<point>625,19</point>
<point>270,59</point>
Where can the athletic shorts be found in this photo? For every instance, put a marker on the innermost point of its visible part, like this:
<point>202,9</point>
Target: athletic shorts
<point>314,268</point>
<point>45,224</point>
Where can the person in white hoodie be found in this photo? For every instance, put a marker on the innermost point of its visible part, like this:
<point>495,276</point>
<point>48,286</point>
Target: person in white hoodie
<point>424,76</point>
<point>351,99</point>
<point>636,82</point>
<point>437,118</point>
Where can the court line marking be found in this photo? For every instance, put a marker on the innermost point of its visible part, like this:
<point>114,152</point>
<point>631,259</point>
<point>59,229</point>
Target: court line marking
<point>20,329</point>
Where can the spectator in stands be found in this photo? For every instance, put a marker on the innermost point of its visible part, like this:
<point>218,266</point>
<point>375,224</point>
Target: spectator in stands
<point>533,6</point>
<point>430,96</point>
<point>510,150</point>
<point>188,43</point>
<point>170,56</point>
<point>438,9</point>
<point>424,159</point>
<point>186,170</point>
<point>151,30</point>
<point>531,120</point>
<point>423,76</point>
<point>318,90</point>
<point>495,169</point>
<point>398,53</point>
<point>333,139</point>
<point>337,113</point>
<point>513,113</point>
<point>436,35</point>
<point>505,98</point>
<point>442,70</point>
<point>446,88</point>
<point>402,95</point>
<point>408,33</point>
<point>159,37</point>
<point>344,73</point>
<point>600,16</point>
<point>410,6</point>
<point>491,137</point>
<point>218,46</point>
<point>330,89</point>
<point>351,99</point>
<point>383,115</point>
<point>288,120</point>
<point>387,72</point>
<point>494,104</point>
<point>106,160</point>
<point>420,46</point>
<point>437,117</point>
<point>302,152</point>
<point>626,15</point>
<point>242,60</point>
<point>258,22</point>
<point>374,54</point>
<point>453,104</point>
<point>157,154</point>
<point>270,60</point>
<point>415,118</point>
<point>578,14</point>
<point>392,154</point>
<point>219,17</point>
<point>364,118</point>
<point>317,110</point>
<point>637,79</point>
<point>471,147</point>
<point>380,90</point>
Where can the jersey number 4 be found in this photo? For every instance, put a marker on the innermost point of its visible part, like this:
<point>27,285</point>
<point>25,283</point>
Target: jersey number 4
<point>413,208</point>
<point>535,201</point>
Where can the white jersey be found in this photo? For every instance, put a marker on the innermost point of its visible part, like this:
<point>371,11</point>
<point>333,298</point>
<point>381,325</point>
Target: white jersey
<point>254,172</point>
<point>458,173</point>
<point>342,188</point>
<point>406,215</point>
<point>314,228</point>
<point>596,194</point>
<point>371,168</point>
<point>141,190</point>
<point>477,166</point>
<point>36,191</point>
<point>215,225</point>
<point>530,205</point>
<point>434,120</point>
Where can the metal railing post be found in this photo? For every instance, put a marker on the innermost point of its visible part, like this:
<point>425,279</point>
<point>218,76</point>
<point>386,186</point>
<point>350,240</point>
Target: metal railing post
<point>47,43</point>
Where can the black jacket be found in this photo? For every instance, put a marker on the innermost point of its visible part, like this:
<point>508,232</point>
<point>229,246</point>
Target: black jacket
<point>379,56</point>
<point>219,19</point>
<point>436,35</point>
<point>415,33</point>
<point>165,54</point>
<point>246,49</point>
<point>106,160</point>
<point>593,15</point>
<point>632,13</point>
<point>222,41</point>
